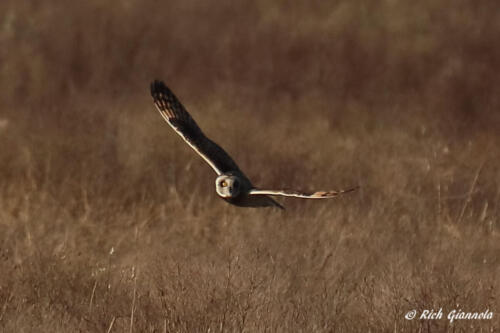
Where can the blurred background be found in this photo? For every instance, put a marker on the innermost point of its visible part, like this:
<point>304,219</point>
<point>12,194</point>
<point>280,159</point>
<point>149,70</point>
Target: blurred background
<point>399,97</point>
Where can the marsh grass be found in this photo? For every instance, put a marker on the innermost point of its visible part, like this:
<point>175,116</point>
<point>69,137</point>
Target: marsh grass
<point>109,223</point>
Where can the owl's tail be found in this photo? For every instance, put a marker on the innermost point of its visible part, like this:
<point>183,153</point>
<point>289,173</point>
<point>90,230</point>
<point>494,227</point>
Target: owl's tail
<point>274,203</point>
<point>258,201</point>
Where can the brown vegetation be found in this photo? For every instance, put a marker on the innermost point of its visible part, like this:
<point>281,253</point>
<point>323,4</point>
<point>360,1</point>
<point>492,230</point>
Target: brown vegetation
<point>108,222</point>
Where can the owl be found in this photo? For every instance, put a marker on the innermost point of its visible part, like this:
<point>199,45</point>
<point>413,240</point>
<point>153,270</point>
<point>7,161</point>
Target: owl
<point>231,183</point>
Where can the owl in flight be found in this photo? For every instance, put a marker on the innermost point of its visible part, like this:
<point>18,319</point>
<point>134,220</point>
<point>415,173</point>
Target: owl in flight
<point>231,183</point>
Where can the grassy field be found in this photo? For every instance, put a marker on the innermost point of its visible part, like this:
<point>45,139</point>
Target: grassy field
<point>110,223</point>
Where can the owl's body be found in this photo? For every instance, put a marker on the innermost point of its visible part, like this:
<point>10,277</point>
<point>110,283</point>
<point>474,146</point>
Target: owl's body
<point>234,188</point>
<point>231,184</point>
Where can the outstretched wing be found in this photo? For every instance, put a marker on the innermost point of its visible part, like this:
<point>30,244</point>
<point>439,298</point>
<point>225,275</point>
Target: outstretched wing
<point>297,194</point>
<point>176,115</point>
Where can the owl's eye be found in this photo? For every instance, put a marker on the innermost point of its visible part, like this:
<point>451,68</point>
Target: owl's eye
<point>223,183</point>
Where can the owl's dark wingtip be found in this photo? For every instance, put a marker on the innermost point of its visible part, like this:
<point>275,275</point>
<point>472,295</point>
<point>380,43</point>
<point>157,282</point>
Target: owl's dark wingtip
<point>157,86</point>
<point>352,189</point>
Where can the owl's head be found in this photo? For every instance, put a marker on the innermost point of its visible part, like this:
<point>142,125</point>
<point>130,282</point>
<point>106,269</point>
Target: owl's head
<point>228,186</point>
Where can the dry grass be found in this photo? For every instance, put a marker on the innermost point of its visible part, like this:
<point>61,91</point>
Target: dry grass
<point>110,224</point>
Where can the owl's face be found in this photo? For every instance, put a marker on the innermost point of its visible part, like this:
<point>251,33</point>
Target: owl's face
<point>228,186</point>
